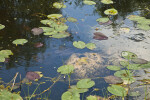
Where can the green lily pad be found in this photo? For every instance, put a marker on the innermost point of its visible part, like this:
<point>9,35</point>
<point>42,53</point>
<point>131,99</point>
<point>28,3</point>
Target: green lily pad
<point>47,22</point>
<point>60,35</point>
<point>92,97</point>
<point>111,11</point>
<point>71,19</point>
<point>47,29</point>
<point>145,65</point>
<point>102,20</point>
<point>74,88</point>
<point>144,21</point>
<point>50,33</point>
<point>107,1</point>
<point>54,16</point>
<point>124,63</point>
<point>145,27</point>
<point>65,69</point>
<point>135,17</point>
<point>5,54</point>
<point>59,5</point>
<point>85,83</point>
<point>2,59</point>
<point>134,66</point>
<point>79,44</point>
<point>123,73</point>
<point>113,67</point>
<point>91,46</point>
<point>128,80</point>
<point>128,55</point>
<point>88,2</point>
<point>1,26</point>
<point>61,27</point>
<point>70,96</point>
<point>117,90</point>
<point>6,95</point>
<point>20,41</point>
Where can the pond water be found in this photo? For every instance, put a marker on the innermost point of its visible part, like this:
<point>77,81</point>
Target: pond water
<point>20,16</point>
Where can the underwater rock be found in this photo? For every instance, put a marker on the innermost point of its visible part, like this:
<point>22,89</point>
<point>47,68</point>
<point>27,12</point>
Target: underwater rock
<point>32,75</point>
<point>37,31</point>
<point>38,45</point>
<point>137,37</point>
<point>100,36</point>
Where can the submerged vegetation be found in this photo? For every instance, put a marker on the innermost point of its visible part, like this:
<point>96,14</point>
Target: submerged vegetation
<point>55,26</point>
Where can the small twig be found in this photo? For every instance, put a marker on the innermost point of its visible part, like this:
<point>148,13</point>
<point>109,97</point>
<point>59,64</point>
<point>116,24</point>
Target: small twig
<point>14,81</point>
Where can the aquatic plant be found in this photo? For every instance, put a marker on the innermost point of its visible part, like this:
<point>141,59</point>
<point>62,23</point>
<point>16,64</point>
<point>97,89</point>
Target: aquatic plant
<point>2,26</point>
<point>20,41</point>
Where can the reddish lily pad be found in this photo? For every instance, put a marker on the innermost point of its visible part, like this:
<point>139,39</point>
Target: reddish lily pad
<point>38,45</point>
<point>100,36</point>
<point>37,31</point>
<point>106,23</point>
<point>113,79</point>
<point>32,75</point>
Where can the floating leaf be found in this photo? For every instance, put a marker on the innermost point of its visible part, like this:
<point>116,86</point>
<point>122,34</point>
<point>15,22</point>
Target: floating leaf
<point>128,80</point>
<point>107,1</point>
<point>51,33</point>
<point>111,11</point>
<point>134,93</point>
<point>139,61</point>
<point>91,46</point>
<point>79,44</point>
<point>54,16</point>
<point>65,69</point>
<point>135,17</point>
<point>117,90</point>
<point>6,95</point>
<point>124,63</point>
<point>5,53</point>
<point>145,27</point>
<point>85,83</point>
<point>100,36</point>
<point>1,26</point>
<point>59,5</point>
<point>60,35</point>
<point>144,21</point>
<point>47,22</point>
<point>128,55</point>
<point>133,66</point>
<point>32,75</point>
<point>74,88</point>
<point>37,31</point>
<point>106,23</point>
<point>145,65</point>
<point>113,67</point>
<point>89,2</point>
<point>38,45</point>
<point>113,79</point>
<point>71,19</point>
<point>2,59</point>
<point>70,96</point>
<point>123,73</point>
<point>102,20</point>
<point>20,41</point>
<point>47,29</point>
<point>91,97</point>
<point>61,27</point>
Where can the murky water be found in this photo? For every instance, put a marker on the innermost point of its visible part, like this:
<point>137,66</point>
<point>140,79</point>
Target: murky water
<point>20,16</point>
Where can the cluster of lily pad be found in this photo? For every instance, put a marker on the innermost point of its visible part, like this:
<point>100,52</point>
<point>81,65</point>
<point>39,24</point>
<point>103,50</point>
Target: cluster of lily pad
<point>125,72</point>
<point>81,45</point>
<point>5,54</point>
<point>56,26</point>
<point>142,22</point>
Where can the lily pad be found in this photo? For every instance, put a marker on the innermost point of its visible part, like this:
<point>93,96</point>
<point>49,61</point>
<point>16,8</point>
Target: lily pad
<point>71,19</point>
<point>100,36</point>
<point>74,88</point>
<point>70,96</point>
<point>128,55</point>
<point>105,23</point>
<point>20,41</point>
<point>111,11</point>
<point>123,73</point>
<point>89,2</point>
<point>54,16</point>
<point>79,44</point>
<point>147,65</point>
<point>124,63</point>
<point>5,53</point>
<point>59,5</point>
<point>61,27</point>
<point>139,61</point>
<point>6,95</point>
<point>91,46</point>
<point>51,33</point>
<point>134,66</point>
<point>38,44</point>
<point>117,90</point>
<point>113,67</point>
<point>113,79</point>
<point>135,17</point>
<point>32,75</point>
<point>47,29</point>
<point>107,1</point>
<point>65,69</point>
<point>37,31</point>
<point>60,35</point>
<point>145,27</point>
<point>47,22</point>
<point>85,83</point>
<point>2,59</point>
<point>91,97</point>
<point>102,20</point>
<point>1,26</point>
<point>128,80</point>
